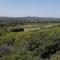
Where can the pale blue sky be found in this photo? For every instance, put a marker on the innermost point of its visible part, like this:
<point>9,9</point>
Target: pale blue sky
<point>20,8</point>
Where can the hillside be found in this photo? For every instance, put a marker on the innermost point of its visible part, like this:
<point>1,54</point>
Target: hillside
<point>32,43</point>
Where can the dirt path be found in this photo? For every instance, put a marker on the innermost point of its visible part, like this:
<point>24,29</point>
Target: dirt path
<point>40,28</point>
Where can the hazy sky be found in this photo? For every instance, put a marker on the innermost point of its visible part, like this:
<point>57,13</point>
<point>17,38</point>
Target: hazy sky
<point>40,8</point>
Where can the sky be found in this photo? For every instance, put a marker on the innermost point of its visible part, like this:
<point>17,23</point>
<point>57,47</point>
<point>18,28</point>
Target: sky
<point>22,8</point>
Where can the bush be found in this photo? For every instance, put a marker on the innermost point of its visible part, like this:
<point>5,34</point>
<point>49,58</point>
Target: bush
<point>15,29</point>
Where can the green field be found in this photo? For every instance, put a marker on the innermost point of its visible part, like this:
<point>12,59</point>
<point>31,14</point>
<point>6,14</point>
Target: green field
<point>38,41</point>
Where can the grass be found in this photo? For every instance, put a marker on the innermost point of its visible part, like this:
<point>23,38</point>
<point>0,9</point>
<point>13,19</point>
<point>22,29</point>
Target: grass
<point>31,44</point>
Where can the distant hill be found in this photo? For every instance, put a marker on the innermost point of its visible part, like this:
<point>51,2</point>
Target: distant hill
<point>29,19</point>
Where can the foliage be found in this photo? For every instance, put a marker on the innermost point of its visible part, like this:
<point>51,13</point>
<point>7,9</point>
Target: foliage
<point>30,45</point>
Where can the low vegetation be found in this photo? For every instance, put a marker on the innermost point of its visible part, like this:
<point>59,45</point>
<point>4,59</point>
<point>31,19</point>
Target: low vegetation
<point>37,44</point>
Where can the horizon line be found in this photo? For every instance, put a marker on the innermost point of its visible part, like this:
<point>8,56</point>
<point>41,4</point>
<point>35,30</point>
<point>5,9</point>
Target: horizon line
<point>29,16</point>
